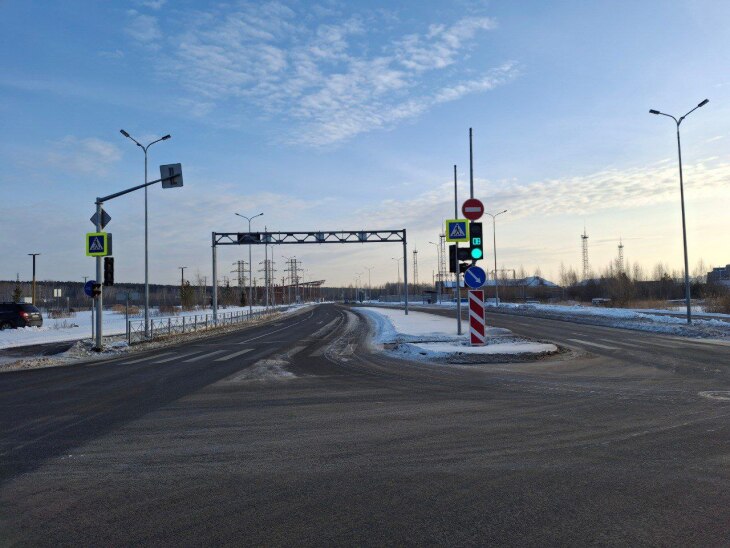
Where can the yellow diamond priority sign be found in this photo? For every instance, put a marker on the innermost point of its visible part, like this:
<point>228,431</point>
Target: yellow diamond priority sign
<point>98,244</point>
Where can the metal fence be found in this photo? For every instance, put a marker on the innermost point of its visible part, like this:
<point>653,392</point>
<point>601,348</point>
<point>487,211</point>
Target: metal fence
<point>172,325</point>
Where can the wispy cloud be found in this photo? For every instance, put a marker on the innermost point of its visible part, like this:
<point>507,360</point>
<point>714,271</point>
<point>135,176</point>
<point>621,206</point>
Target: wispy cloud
<point>83,156</point>
<point>334,77</point>
<point>143,28</point>
<point>576,195</point>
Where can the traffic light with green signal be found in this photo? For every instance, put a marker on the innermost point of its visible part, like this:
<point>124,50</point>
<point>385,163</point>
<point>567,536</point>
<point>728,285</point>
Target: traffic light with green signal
<point>476,246</point>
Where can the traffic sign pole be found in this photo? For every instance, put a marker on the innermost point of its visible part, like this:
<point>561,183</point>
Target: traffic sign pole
<point>99,299</point>
<point>477,320</point>
<point>456,265</point>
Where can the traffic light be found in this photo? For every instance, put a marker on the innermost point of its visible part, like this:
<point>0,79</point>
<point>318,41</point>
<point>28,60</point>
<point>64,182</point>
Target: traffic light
<point>95,290</point>
<point>476,249</point>
<point>463,256</point>
<point>108,271</point>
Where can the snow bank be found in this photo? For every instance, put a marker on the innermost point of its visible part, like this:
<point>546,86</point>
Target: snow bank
<point>79,326</point>
<point>421,335</point>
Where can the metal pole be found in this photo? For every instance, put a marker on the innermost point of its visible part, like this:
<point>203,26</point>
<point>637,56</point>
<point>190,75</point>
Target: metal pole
<point>471,167</point>
<point>146,257</point>
<point>32,297</point>
<point>250,275</point>
<point>266,267</point>
<point>494,243</point>
<point>215,283</point>
<point>405,270</point>
<point>684,233</point>
<point>456,260</point>
<point>99,277</point>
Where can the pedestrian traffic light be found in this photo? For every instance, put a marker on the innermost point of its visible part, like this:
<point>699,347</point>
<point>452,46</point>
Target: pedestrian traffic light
<point>476,249</point>
<point>95,290</point>
<point>108,271</point>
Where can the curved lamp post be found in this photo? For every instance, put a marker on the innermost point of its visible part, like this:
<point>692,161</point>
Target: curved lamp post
<point>146,253</point>
<point>678,122</point>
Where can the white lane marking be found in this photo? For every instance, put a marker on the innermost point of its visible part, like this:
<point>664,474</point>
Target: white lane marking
<point>622,343</point>
<point>177,357</point>
<point>274,331</point>
<point>147,358</point>
<point>231,356</point>
<point>208,355</point>
<point>579,341</point>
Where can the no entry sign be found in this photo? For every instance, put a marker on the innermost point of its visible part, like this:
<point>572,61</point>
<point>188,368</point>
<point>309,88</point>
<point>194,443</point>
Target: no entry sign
<point>473,209</point>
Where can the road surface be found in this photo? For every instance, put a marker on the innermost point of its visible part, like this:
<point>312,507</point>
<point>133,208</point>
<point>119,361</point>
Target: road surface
<point>295,433</point>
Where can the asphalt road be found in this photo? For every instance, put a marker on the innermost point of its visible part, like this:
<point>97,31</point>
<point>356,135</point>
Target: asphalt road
<point>295,433</point>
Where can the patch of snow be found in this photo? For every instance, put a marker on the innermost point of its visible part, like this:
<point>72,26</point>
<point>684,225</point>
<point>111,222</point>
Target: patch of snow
<point>420,334</point>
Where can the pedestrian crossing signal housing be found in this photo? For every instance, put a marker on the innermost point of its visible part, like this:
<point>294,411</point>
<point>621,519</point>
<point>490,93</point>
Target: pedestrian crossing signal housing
<point>476,249</point>
<point>108,271</point>
<point>464,255</point>
<point>95,290</point>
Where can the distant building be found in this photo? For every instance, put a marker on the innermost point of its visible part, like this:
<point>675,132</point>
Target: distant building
<point>719,275</point>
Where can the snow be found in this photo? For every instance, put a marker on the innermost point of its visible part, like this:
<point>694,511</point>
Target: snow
<point>420,335</point>
<point>79,326</point>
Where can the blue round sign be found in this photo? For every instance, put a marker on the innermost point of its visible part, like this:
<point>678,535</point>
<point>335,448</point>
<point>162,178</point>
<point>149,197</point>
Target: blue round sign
<point>475,277</point>
<point>88,287</point>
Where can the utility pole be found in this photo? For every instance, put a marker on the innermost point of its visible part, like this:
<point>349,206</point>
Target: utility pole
<point>32,291</point>
<point>457,289</point>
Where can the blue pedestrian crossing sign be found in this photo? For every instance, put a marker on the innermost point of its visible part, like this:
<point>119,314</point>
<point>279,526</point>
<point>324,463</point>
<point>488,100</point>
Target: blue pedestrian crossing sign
<point>98,244</point>
<point>475,277</point>
<point>457,230</point>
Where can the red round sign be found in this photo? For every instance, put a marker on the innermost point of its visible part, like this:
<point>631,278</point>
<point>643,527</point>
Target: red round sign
<point>472,209</point>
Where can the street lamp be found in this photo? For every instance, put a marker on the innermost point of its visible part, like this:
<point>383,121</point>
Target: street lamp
<point>494,241</point>
<point>250,273</point>
<point>146,254</point>
<point>32,291</point>
<point>681,193</point>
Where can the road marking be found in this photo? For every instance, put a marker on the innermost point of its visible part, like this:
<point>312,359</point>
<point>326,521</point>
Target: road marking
<point>593,344</point>
<point>208,355</point>
<point>146,358</point>
<point>294,351</point>
<point>275,331</point>
<point>622,343</point>
<point>231,356</point>
<point>177,357</point>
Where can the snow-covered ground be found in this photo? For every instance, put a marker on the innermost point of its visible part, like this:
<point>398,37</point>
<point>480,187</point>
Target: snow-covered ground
<point>422,335</point>
<point>79,326</point>
<point>704,324</point>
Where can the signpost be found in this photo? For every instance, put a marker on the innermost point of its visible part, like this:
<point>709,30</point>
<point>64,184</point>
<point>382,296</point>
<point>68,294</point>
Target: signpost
<point>89,288</point>
<point>477,320</point>
<point>98,244</point>
<point>472,209</point>
<point>474,277</point>
<point>105,218</point>
<point>457,230</point>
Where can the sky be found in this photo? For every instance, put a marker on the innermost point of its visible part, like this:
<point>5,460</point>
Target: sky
<point>337,115</point>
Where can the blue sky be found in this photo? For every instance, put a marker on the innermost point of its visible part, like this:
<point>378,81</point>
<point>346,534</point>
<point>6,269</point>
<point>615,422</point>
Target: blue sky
<point>350,115</point>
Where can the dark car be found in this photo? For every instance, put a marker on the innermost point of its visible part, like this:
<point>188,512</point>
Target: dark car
<point>14,315</point>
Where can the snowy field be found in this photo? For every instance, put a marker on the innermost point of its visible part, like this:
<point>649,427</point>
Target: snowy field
<point>421,335</point>
<point>79,326</point>
<point>704,325</point>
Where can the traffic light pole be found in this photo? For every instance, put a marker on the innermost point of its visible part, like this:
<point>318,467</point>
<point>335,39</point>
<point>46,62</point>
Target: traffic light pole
<point>99,260</point>
<point>457,274</point>
<point>99,299</point>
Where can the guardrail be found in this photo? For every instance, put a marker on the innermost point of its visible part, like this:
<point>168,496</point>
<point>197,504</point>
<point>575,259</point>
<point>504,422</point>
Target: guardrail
<point>171,325</point>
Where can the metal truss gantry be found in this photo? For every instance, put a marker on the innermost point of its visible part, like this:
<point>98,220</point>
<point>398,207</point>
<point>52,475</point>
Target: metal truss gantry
<point>314,237</point>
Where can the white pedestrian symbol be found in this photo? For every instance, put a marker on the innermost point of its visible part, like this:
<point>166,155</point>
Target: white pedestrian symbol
<point>457,231</point>
<point>96,246</point>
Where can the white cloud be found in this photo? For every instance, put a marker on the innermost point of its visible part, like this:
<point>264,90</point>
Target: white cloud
<point>332,78</point>
<point>83,156</point>
<point>143,28</point>
<point>152,4</point>
<point>577,195</point>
